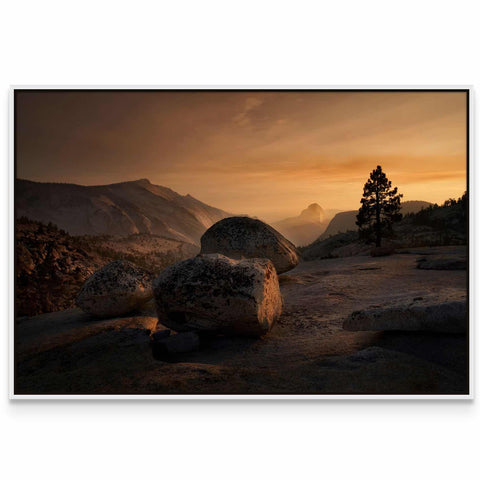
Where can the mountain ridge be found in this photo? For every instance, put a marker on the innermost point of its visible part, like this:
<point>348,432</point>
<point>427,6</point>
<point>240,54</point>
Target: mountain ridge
<point>123,208</point>
<point>345,221</point>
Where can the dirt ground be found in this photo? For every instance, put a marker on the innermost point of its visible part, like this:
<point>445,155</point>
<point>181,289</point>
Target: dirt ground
<point>307,352</point>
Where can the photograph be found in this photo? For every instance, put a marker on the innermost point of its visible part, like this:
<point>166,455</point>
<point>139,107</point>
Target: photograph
<point>229,242</point>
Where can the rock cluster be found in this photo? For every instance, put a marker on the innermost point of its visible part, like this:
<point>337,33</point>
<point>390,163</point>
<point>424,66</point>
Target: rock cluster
<point>116,289</point>
<point>233,291</point>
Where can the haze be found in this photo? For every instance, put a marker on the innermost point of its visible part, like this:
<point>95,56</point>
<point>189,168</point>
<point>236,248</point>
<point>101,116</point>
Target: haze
<point>267,154</point>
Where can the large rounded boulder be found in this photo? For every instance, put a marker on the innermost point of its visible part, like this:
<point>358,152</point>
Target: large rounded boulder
<point>116,289</point>
<point>213,293</point>
<point>244,237</point>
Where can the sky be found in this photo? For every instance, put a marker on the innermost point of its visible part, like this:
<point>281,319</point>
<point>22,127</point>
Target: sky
<point>265,154</point>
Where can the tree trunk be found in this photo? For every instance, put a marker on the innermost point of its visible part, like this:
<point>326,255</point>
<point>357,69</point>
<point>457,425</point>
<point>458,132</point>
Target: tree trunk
<point>378,241</point>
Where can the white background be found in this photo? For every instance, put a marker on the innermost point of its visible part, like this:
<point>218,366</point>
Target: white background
<point>234,43</point>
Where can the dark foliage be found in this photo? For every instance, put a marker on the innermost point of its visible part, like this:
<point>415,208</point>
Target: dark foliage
<point>449,221</point>
<point>380,208</point>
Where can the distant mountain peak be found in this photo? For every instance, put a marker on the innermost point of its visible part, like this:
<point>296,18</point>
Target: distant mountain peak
<point>313,212</point>
<point>307,226</point>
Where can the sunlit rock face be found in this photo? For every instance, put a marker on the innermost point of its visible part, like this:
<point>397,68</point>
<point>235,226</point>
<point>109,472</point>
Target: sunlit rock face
<point>213,293</point>
<point>116,289</point>
<point>243,237</point>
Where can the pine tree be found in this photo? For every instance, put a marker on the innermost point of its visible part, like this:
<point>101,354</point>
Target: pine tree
<point>380,208</point>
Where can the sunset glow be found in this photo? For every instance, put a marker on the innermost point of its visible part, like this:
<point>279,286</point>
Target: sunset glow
<point>267,154</point>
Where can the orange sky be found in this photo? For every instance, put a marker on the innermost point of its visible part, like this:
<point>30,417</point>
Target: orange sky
<point>267,154</point>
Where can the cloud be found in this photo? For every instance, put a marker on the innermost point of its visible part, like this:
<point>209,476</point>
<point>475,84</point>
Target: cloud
<point>243,118</point>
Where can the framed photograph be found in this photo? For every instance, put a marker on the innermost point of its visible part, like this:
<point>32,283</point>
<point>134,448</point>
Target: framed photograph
<point>240,243</point>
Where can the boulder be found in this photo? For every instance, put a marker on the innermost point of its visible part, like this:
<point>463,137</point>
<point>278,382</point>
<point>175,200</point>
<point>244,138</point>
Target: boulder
<point>213,293</point>
<point>448,317</point>
<point>116,289</point>
<point>243,237</point>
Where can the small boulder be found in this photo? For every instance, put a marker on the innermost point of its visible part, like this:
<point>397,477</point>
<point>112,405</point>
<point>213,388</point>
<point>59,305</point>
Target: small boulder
<point>448,317</point>
<point>244,237</point>
<point>213,293</point>
<point>116,289</point>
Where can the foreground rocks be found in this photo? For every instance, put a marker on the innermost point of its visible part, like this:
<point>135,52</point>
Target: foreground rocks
<point>307,351</point>
<point>448,317</point>
<point>214,293</point>
<point>243,237</point>
<point>116,289</point>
